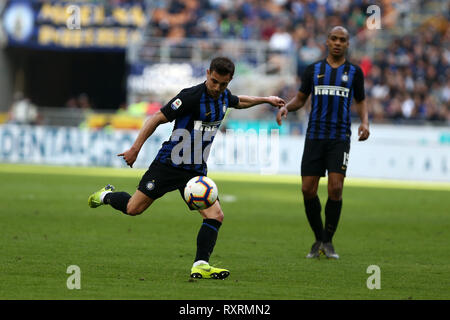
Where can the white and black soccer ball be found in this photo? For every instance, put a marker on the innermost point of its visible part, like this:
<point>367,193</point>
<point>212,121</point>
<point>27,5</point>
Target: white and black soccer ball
<point>200,193</point>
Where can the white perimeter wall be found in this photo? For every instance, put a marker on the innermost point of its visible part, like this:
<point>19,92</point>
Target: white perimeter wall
<point>393,152</point>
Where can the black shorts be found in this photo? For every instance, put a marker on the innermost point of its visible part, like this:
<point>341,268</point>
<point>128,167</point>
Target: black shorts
<point>325,155</point>
<point>161,178</point>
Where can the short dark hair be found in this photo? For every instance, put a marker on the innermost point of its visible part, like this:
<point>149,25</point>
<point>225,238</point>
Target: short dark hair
<point>339,28</point>
<point>222,65</point>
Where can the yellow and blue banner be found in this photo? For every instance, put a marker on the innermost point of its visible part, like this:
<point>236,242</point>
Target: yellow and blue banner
<point>72,25</point>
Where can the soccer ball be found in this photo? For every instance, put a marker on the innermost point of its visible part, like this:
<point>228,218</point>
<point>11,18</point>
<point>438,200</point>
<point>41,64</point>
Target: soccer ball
<point>200,193</point>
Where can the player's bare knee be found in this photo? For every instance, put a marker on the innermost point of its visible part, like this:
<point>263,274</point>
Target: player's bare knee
<point>335,191</point>
<point>308,192</point>
<point>219,215</point>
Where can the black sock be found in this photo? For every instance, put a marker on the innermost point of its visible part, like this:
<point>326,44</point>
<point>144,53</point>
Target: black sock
<point>206,239</point>
<point>312,209</point>
<point>332,214</point>
<point>117,200</point>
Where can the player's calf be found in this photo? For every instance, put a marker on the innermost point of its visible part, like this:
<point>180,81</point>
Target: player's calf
<point>117,200</point>
<point>138,203</point>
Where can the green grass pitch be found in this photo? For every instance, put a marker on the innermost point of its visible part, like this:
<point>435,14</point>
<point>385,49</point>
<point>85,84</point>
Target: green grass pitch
<point>47,226</point>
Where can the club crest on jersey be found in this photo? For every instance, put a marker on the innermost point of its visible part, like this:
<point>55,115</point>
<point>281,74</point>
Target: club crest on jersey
<point>150,185</point>
<point>344,77</point>
<point>176,104</point>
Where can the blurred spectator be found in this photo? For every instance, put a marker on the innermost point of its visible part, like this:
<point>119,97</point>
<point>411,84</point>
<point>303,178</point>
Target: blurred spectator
<point>84,103</point>
<point>281,40</point>
<point>85,106</point>
<point>144,106</point>
<point>81,102</point>
<point>366,65</point>
<point>22,111</point>
<point>445,92</point>
<point>308,54</point>
<point>434,111</point>
<point>231,26</point>
<point>72,103</point>
<point>408,107</point>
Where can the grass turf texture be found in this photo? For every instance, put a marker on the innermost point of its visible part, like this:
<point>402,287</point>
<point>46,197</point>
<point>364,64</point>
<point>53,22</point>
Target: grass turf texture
<point>47,225</point>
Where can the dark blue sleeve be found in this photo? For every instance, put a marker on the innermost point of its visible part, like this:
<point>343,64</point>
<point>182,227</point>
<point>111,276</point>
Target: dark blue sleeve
<point>233,100</point>
<point>358,85</point>
<point>307,80</point>
<point>179,105</point>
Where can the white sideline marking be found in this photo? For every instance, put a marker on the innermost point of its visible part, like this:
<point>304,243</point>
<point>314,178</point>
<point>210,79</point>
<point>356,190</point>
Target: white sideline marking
<point>227,198</point>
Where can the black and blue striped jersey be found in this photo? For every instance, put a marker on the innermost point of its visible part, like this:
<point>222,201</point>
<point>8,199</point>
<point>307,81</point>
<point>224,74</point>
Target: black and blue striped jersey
<point>332,90</point>
<point>197,118</point>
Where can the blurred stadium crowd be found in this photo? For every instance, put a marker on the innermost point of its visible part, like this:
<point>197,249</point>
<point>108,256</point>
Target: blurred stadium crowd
<point>408,80</point>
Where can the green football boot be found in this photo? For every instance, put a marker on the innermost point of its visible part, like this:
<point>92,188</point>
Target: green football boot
<point>94,199</point>
<point>205,271</point>
<point>315,250</point>
<point>328,250</point>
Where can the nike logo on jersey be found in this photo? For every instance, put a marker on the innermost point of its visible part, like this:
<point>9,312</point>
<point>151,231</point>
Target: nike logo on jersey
<point>320,76</point>
<point>208,113</point>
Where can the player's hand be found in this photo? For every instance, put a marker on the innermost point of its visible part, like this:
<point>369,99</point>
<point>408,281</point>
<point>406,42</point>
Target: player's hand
<point>363,132</point>
<point>129,156</point>
<point>282,113</point>
<point>276,101</point>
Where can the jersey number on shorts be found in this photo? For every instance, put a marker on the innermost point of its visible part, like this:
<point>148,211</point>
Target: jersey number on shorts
<point>345,162</point>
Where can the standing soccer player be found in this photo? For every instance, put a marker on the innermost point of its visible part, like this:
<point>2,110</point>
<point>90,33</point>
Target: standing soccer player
<point>333,82</point>
<point>198,112</point>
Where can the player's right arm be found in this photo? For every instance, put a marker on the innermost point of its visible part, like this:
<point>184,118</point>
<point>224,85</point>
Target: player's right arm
<point>293,105</point>
<point>302,95</point>
<point>146,131</point>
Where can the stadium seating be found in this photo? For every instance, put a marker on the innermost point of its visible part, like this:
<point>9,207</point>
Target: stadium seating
<point>405,77</point>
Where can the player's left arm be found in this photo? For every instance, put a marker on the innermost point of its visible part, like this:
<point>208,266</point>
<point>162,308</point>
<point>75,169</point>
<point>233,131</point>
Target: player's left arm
<point>361,107</point>
<point>250,101</point>
<point>363,130</point>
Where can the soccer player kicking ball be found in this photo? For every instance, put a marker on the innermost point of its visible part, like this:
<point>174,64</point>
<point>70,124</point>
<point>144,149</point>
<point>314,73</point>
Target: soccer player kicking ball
<point>198,112</point>
<point>333,82</point>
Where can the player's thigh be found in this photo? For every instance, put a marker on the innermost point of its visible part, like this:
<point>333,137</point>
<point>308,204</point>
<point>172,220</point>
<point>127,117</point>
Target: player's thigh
<point>138,203</point>
<point>313,159</point>
<point>213,212</point>
<point>160,179</point>
<point>337,156</point>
